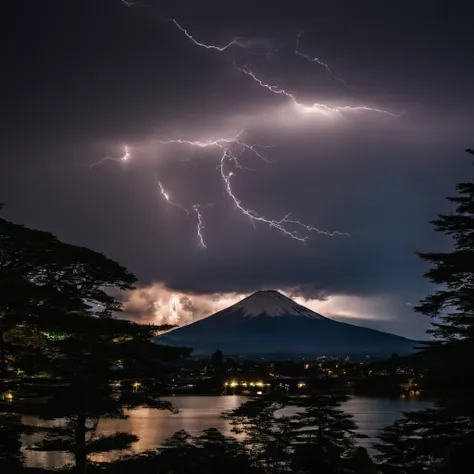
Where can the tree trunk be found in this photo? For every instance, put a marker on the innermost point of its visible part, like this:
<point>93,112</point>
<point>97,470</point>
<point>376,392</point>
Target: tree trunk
<point>80,445</point>
<point>3,356</point>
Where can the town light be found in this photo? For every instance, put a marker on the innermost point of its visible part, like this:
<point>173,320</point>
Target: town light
<point>8,396</point>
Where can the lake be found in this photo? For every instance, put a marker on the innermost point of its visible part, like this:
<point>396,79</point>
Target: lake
<point>201,412</point>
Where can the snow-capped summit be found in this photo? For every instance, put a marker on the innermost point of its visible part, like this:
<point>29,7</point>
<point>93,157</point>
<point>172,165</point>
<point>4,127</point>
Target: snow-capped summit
<point>268,323</point>
<point>272,303</point>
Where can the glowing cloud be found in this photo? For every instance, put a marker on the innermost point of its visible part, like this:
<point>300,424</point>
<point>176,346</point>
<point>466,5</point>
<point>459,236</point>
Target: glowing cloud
<point>157,304</point>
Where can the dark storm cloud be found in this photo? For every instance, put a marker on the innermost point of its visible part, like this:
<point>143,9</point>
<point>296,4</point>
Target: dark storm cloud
<point>88,76</point>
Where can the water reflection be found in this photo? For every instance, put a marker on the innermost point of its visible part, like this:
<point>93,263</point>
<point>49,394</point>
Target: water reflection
<point>372,414</point>
<point>201,412</point>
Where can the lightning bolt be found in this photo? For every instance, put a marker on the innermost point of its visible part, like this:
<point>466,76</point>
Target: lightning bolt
<point>195,208</point>
<point>123,159</point>
<point>169,200</point>
<point>277,90</point>
<point>315,106</point>
<point>311,228</point>
<point>224,143</point>
<point>234,42</point>
<point>200,226</point>
<point>133,4</point>
<point>318,61</point>
<point>232,149</point>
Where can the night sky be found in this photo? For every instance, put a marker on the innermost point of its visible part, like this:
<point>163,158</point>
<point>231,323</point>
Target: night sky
<point>85,78</point>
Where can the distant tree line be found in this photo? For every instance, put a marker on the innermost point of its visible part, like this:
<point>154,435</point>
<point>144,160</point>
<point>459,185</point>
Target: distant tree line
<point>64,356</point>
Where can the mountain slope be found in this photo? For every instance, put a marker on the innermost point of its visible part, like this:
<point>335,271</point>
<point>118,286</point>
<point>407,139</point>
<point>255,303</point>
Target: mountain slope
<point>269,323</point>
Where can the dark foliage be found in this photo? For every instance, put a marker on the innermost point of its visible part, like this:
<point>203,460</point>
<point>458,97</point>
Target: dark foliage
<point>63,354</point>
<point>304,435</point>
<point>11,458</point>
<point>209,453</point>
<point>437,440</point>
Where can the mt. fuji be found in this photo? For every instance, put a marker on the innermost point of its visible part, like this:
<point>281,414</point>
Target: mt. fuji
<point>268,323</point>
<point>272,304</point>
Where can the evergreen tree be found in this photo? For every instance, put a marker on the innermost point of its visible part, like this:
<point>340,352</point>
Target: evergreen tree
<point>297,434</point>
<point>452,375</point>
<point>323,434</point>
<point>209,453</point>
<point>267,434</point>
<point>57,304</point>
<point>435,440</point>
<point>105,366</point>
<point>427,440</point>
<point>361,463</point>
<point>43,279</point>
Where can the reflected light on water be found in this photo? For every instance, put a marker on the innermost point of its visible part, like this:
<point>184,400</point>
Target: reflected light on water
<point>197,413</point>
